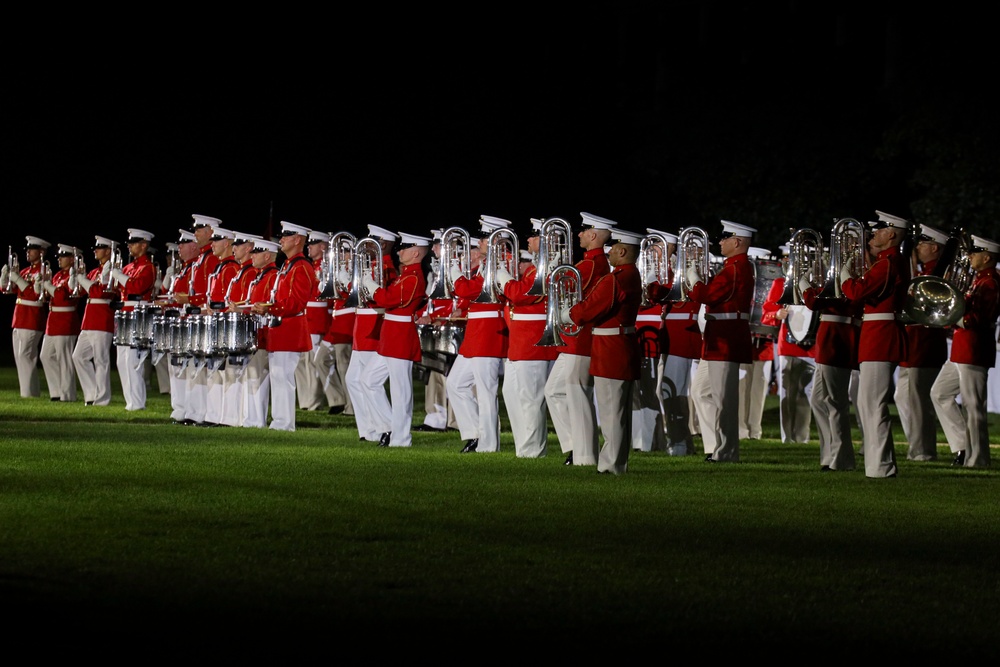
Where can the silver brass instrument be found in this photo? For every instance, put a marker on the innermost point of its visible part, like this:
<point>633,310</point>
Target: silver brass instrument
<point>563,289</point>
<point>339,258</point>
<point>554,249</point>
<point>502,251</point>
<point>653,256</point>
<point>367,262</point>
<point>692,250</point>
<point>13,268</point>
<point>77,269</point>
<point>115,262</point>
<point>805,251</point>
<point>456,245</point>
<point>938,298</point>
<point>45,276</point>
<point>848,242</point>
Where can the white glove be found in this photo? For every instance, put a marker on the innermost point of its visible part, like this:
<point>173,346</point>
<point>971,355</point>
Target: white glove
<point>106,272</point>
<point>564,316</point>
<point>845,271</point>
<point>804,284</point>
<point>48,287</point>
<point>455,272</point>
<point>119,277</point>
<point>370,284</point>
<point>650,277</point>
<point>503,277</point>
<point>343,278</point>
<point>73,283</point>
<point>693,276</point>
<point>85,282</point>
<point>19,281</point>
<point>168,276</point>
<point>4,272</point>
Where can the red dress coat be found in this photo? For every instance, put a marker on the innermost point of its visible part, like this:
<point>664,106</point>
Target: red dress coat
<point>486,331</point>
<point>613,303</point>
<point>64,311</point>
<point>839,329</point>
<point>218,283</point>
<point>680,335</point>
<point>881,290</point>
<point>204,265</point>
<point>786,348</point>
<point>30,310</point>
<point>318,311</point>
<point>728,300</point>
<point>926,347</point>
<point>239,290</point>
<point>975,343</point>
<point>402,299</point>
<point>592,268</point>
<point>341,329</point>
<point>295,284</point>
<point>527,321</point>
<point>368,318</point>
<point>260,292</point>
<point>139,286</point>
<point>97,313</point>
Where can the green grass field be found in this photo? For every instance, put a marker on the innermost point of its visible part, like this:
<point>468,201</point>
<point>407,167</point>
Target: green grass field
<point>121,526</point>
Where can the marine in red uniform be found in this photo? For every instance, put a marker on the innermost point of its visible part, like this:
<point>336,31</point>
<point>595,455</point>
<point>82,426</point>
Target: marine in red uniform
<point>30,312</point>
<point>338,338</point>
<point>62,327</point>
<point>187,249</point>
<point>310,374</point>
<point>755,377</point>
<point>256,378</point>
<point>648,430</point>
<point>220,374</point>
<point>92,353</point>
<point>134,283</point>
<point>436,317</point>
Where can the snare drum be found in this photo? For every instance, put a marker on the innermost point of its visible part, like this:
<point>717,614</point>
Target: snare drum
<point>449,338</point>
<point>123,328</point>
<point>142,329</point>
<point>237,333</point>
<point>428,337</point>
<point>199,335</point>
<point>163,332</point>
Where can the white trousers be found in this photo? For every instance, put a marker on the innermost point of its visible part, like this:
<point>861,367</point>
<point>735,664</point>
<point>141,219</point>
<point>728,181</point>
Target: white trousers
<point>614,403</point>
<point>964,425</point>
<point>438,412</point>
<point>524,398</point>
<point>130,362</point>
<point>233,389</point>
<point>196,391</point>
<point>473,385</point>
<point>874,394</point>
<point>257,391</point>
<point>92,360</point>
<point>178,389</point>
<point>282,367</point>
<point>57,362</point>
<point>331,364</point>
<point>363,414</point>
<point>215,380</point>
<point>26,343</point>
<point>675,390</point>
<point>162,369</point>
<point>308,383</point>
<point>716,391</point>
<point>831,405</point>
<point>916,411</point>
<point>755,379</point>
<point>569,395</point>
<point>795,376</point>
<point>392,413</point>
<point>648,432</point>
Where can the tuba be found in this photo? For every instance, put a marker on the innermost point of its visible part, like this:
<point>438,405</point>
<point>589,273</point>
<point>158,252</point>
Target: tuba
<point>937,299</point>
<point>652,255</point>
<point>456,245</point>
<point>692,250</point>
<point>805,251</point>
<point>13,267</point>
<point>502,251</point>
<point>367,261</point>
<point>848,243</point>
<point>563,289</point>
<point>554,249</point>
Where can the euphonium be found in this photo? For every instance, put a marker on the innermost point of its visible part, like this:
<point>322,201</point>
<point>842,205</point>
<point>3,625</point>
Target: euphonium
<point>502,251</point>
<point>13,268</point>
<point>456,245</point>
<point>938,299</point>
<point>554,249</point>
<point>805,251</point>
<point>848,243</point>
<point>367,262</point>
<point>339,258</point>
<point>653,256</point>
<point>563,289</point>
<point>692,250</point>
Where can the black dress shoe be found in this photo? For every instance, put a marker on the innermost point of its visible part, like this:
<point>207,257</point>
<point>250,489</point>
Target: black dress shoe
<point>569,460</point>
<point>424,428</point>
<point>709,459</point>
<point>384,440</point>
<point>55,398</point>
<point>336,409</point>
<point>470,446</point>
<point>824,469</point>
<point>959,459</point>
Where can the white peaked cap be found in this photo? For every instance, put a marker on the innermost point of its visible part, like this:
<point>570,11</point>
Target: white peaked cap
<point>104,241</point>
<point>933,234</point>
<point>413,239</point>
<point>172,247</point>
<point>204,221</point>
<point>623,236</point>
<point>493,222</point>
<point>784,249</point>
<point>185,236</point>
<point>893,220</point>
<point>382,233</point>
<point>294,229</point>
<point>263,244</point>
<point>68,250</point>
<point>218,233</point>
<point>760,253</point>
<point>737,229</point>
<point>140,234</point>
<point>37,242</point>
<point>242,237</point>
<point>526,256</point>
<point>437,234</point>
<point>979,244</point>
<point>671,238</point>
<point>316,236</point>
<point>536,224</point>
<point>596,221</point>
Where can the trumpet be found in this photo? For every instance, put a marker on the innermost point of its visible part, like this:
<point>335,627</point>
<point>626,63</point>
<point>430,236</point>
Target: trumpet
<point>367,261</point>
<point>805,251</point>
<point>13,268</point>
<point>563,289</point>
<point>653,256</point>
<point>44,276</point>
<point>455,246</point>
<point>848,243</point>
<point>692,250</point>
<point>554,249</point>
<point>76,269</point>
<point>339,258</point>
<point>502,251</point>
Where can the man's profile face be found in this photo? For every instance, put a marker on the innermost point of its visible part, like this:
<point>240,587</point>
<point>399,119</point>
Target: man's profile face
<point>202,235</point>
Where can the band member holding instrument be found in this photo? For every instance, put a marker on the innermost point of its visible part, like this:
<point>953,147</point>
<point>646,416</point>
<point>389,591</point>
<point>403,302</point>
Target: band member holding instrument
<point>569,389</point>
<point>339,337</point>
<point>288,334</point>
<point>474,381</point>
<point>219,378</point>
<point>882,344</point>
<point>367,329</point>
<point>973,353</point>
<point>187,248</point>
<point>610,310</point>
<point>755,377</point>
<point>30,312</point>
<point>237,301</point>
<point>61,327</point>
<point>728,299</point>
<point>648,430</point>
<point>257,378</point>
<point>92,354</point>
<point>196,387</point>
<point>310,375</point>
<point>134,283</point>
<point>399,344</point>
<point>926,353</point>
<point>438,413</point>
<point>527,366</point>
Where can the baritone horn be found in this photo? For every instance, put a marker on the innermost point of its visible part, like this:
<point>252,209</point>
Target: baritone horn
<point>653,256</point>
<point>456,246</point>
<point>937,299</point>
<point>692,250</point>
<point>848,243</point>
<point>13,268</point>
<point>554,249</point>
<point>339,259</point>
<point>502,251</point>
<point>116,263</point>
<point>367,262</point>
<point>805,255</point>
<point>563,290</point>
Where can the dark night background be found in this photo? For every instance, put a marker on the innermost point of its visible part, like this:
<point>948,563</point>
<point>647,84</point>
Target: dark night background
<point>779,115</point>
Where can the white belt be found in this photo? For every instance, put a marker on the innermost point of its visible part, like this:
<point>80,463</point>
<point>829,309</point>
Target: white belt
<point>839,319</point>
<point>318,304</point>
<point>483,314</point>
<point>135,303</point>
<point>680,316</point>
<point>398,318</point>
<point>874,317</point>
<point>98,300</point>
<point>370,311</point>
<point>62,309</point>
<point>612,331</point>
<point>727,316</point>
<point>648,318</point>
<point>528,316</point>
<point>344,311</point>
<point>33,304</point>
